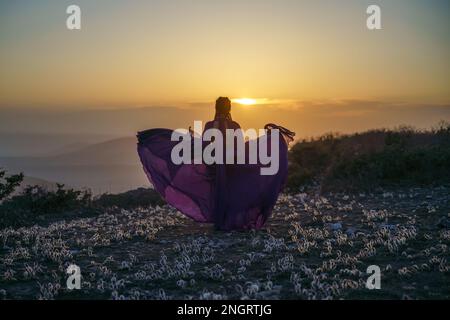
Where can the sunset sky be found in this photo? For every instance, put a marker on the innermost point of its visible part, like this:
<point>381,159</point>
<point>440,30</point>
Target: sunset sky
<point>284,53</point>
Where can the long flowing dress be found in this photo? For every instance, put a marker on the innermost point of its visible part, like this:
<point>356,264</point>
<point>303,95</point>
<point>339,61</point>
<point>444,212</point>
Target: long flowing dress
<point>231,196</point>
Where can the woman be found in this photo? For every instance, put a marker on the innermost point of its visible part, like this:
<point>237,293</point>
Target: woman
<point>232,196</point>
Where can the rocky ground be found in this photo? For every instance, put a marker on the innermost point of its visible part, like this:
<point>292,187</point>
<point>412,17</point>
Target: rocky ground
<point>313,247</point>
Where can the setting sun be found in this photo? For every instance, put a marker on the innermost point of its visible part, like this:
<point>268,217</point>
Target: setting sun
<point>249,101</point>
<point>245,101</point>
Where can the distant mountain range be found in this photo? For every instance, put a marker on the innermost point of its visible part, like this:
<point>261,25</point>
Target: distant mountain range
<point>45,144</point>
<point>111,166</point>
<point>31,181</point>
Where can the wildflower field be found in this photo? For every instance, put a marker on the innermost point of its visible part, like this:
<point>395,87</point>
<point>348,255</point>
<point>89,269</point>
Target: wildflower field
<point>313,247</point>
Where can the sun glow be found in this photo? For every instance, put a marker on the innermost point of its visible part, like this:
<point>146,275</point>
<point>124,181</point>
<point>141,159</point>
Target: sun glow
<point>245,101</point>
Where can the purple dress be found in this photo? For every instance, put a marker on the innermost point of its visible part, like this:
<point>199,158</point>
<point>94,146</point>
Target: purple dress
<point>232,196</point>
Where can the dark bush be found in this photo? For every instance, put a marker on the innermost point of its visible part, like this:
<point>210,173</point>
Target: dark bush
<point>9,184</point>
<point>371,159</point>
<point>35,203</point>
<point>142,197</point>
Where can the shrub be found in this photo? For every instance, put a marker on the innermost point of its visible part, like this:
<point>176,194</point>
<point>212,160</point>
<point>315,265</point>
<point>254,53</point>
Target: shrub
<point>9,184</point>
<point>141,197</point>
<point>373,158</point>
<point>36,202</point>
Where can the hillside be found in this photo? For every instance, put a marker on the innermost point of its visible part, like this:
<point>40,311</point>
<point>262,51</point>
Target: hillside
<point>404,156</point>
<point>313,247</point>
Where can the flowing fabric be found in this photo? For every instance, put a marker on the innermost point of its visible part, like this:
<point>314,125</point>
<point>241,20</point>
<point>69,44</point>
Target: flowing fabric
<point>232,196</point>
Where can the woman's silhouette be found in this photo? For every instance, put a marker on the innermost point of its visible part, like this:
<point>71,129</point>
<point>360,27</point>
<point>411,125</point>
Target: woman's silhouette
<point>232,196</point>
